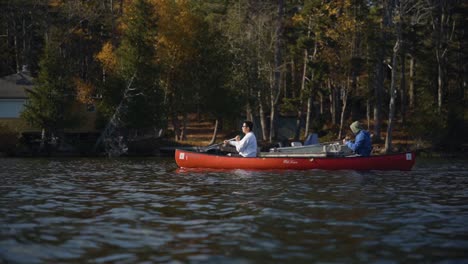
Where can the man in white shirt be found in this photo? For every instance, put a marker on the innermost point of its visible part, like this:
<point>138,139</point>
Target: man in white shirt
<point>247,147</point>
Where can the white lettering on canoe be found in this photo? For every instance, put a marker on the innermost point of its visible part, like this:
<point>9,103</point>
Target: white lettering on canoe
<point>182,156</point>
<point>408,156</point>
<point>289,162</point>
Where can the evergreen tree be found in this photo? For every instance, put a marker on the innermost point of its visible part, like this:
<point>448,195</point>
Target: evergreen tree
<point>137,50</point>
<point>49,103</point>
<point>136,61</point>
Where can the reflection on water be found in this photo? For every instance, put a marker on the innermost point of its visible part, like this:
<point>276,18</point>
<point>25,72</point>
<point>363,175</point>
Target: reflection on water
<point>147,210</point>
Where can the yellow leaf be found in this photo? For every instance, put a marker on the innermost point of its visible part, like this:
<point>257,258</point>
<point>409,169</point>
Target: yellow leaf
<point>107,57</point>
<point>84,91</point>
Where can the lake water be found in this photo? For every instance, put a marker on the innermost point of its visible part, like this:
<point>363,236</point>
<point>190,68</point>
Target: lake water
<point>148,211</point>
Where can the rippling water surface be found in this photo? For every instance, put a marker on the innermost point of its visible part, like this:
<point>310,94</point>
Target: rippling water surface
<point>148,211</point>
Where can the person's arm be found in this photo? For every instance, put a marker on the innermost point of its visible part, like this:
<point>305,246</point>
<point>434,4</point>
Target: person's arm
<point>358,142</point>
<point>242,145</point>
<point>233,142</point>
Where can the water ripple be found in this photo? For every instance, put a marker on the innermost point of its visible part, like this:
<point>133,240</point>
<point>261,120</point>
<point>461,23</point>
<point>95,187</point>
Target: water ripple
<point>147,211</point>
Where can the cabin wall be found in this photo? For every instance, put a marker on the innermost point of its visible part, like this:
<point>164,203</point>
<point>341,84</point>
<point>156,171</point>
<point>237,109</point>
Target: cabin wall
<point>11,108</point>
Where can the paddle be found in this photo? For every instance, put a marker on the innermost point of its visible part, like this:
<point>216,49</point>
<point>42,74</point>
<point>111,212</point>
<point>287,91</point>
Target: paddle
<point>207,148</point>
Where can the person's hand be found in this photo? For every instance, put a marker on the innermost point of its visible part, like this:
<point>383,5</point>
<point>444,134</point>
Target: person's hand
<point>344,140</point>
<point>237,138</point>
<point>226,142</point>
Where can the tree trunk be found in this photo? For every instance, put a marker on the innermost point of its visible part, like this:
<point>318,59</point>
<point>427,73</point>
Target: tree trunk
<point>368,113</point>
<point>333,105</point>
<point>24,58</point>
<point>440,84</point>
<point>300,111</point>
<point>15,41</point>
<point>378,92</point>
<point>309,95</point>
<point>293,80</point>
<point>309,100</point>
<point>297,130</point>
<point>321,104</point>
<point>411,83</point>
<point>439,57</point>
<point>176,126</point>
<point>380,76</point>
<point>110,136</point>
<point>112,15</point>
<point>272,123</point>
<point>273,105</point>
<point>344,99</point>
<point>249,113</point>
<point>393,92</point>
<point>309,110</point>
<point>183,131</point>
<point>43,140</point>
<point>215,132</point>
<point>403,91</point>
<point>275,92</point>
<point>443,27</point>
<point>263,121</point>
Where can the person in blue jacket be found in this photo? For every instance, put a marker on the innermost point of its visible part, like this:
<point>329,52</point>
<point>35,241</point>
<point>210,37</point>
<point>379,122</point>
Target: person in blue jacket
<point>362,144</point>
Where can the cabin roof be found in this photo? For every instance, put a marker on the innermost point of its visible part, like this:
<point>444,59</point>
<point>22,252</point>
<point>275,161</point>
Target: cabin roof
<point>14,86</point>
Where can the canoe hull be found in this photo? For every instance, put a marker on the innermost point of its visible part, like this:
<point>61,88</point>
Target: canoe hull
<point>190,159</point>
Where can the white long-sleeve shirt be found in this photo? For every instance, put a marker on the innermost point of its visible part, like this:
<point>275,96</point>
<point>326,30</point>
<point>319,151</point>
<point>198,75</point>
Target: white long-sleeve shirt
<point>247,146</point>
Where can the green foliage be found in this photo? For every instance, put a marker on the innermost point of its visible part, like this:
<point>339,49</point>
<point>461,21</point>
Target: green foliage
<point>318,123</point>
<point>212,10</point>
<point>212,73</point>
<point>289,105</point>
<point>112,91</point>
<point>215,56</point>
<point>49,103</point>
<point>25,22</point>
<point>137,62</point>
<point>248,27</point>
<point>429,126</point>
<point>8,139</point>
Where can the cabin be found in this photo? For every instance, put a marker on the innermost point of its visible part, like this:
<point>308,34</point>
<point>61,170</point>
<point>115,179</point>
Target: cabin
<point>13,94</point>
<point>13,98</point>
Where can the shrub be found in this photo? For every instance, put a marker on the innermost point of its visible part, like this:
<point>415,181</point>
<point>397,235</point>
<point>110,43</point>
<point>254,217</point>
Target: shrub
<point>8,139</point>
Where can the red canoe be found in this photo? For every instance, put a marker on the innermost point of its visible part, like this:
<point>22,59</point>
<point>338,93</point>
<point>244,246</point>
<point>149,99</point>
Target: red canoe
<point>191,159</point>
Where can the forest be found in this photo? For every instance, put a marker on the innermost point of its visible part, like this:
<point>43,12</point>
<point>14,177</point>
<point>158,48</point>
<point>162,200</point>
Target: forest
<point>148,64</point>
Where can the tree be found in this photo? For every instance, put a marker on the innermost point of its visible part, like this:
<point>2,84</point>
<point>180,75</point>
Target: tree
<point>178,51</point>
<point>211,72</point>
<point>22,27</point>
<point>133,93</point>
<point>138,58</point>
<point>49,104</point>
<point>400,10</point>
<point>380,66</point>
<point>443,26</point>
<point>250,29</point>
<point>277,65</point>
<point>311,23</point>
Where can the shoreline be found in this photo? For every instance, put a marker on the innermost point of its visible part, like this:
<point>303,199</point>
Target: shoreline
<point>168,151</point>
